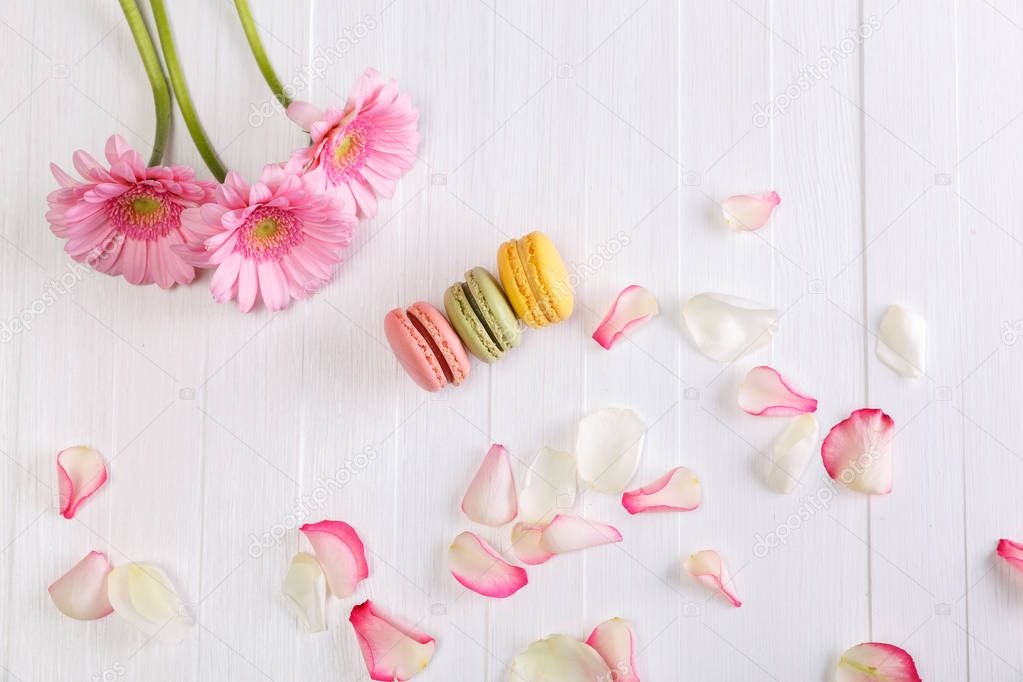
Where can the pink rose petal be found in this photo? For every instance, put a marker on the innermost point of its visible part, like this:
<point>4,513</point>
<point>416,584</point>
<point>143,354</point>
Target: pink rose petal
<point>876,662</point>
<point>525,539</point>
<point>749,212</point>
<point>559,658</point>
<point>81,593</point>
<point>766,393</point>
<point>478,567</point>
<point>392,650</point>
<point>490,498</point>
<point>1011,552</point>
<point>858,451</point>
<point>80,473</point>
<point>677,490</point>
<point>707,567</point>
<point>341,554</point>
<point>614,641</point>
<point>570,533</point>
<point>635,304</point>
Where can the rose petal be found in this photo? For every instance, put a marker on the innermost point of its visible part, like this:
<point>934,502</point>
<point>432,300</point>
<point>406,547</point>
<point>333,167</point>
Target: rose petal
<point>81,593</point>
<point>570,533</point>
<point>901,341</point>
<point>608,446</point>
<point>725,328</point>
<point>1011,552</point>
<point>477,566</point>
<point>341,554</point>
<point>550,486</point>
<point>560,658</point>
<point>525,539</point>
<point>766,393</point>
<point>707,567</point>
<point>305,590</point>
<point>677,490</point>
<point>143,595</point>
<point>490,498</point>
<point>80,473</point>
<point>392,650</point>
<point>614,641</point>
<point>858,451</point>
<point>792,451</point>
<point>635,304</point>
<point>748,212</point>
<point>876,662</point>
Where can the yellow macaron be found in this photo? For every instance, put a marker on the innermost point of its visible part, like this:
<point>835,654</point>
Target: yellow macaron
<point>535,279</point>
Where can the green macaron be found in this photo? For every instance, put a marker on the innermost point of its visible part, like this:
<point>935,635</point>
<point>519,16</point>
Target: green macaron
<point>482,316</point>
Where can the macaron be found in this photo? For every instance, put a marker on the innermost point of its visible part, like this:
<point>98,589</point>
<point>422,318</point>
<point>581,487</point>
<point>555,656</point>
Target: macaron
<point>535,280</point>
<point>482,316</point>
<point>426,346</point>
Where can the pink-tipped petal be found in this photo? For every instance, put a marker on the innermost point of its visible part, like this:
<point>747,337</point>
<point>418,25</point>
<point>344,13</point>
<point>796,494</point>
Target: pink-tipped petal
<point>615,642</point>
<point>559,658</point>
<point>1012,552</point>
<point>80,473</point>
<point>635,304</point>
<point>748,212</point>
<point>478,567</point>
<point>570,533</point>
<point>81,593</point>
<point>341,553</point>
<point>766,393</point>
<point>707,567</point>
<point>143,595</point>
<point>525,538</point>
<point>677,490</point>
<point>305,590</point>
<point>392,650</point>
<point>876,662</point>
<point>858,451</point>
<point>490,498</point>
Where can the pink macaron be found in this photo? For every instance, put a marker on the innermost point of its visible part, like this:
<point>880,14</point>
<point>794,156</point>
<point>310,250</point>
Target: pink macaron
<point>426,346</point>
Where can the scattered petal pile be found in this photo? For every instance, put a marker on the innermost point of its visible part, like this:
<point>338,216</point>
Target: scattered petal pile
<point>766,393</point>
<point>858,451</point>
<point>341,554</point>
<point>1012,552</point>
<point>570,533</point>
<point>144,596</point>
<point>707,567</point>
<point>901,341</point>
<point>677,490</point>
<point>608,447</point>
<point>478,567</point>
<point>392,650</point>
<point>305,590</point>
<point>634,305</point>
<point>876,662</point>
<point>80,473</point>
<point>614,641</point>
<point>792,452</point>
<point>490,499</point>
<point>560,658</point>
<point>725,328</point>
<point>81,593</point>
<point>749,212</point>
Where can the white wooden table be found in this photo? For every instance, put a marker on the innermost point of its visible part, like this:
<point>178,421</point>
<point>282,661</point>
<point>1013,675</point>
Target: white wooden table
<point>614,126</point>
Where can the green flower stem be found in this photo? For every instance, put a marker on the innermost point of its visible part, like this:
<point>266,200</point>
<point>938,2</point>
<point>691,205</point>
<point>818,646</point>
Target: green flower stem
<point>177,79</point>
<point>259,52</point>
<point>157,79</point>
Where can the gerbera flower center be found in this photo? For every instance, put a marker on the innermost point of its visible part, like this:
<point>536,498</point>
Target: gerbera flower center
<point>268,234</point>
<point>144,213</point>
<point>347,150</point>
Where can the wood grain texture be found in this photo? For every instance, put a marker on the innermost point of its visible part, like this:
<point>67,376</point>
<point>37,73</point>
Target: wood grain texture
<point>890,129</point>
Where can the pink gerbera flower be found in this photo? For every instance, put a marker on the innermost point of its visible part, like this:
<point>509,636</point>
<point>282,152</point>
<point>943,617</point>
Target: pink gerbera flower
<point>365,147</point>
<point>276,240</point>
<point>123,220</point>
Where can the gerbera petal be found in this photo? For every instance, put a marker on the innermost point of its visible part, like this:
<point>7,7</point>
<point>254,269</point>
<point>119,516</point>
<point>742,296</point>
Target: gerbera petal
<point>81,593</point>
<point>62,178</point>
<point>80,473</point>
<point>608,447</point>
<point>248,285</point>
<point>305,591</point>
<point>525,538</point>
<point>341,554</point>
<point>634,305</point>
<point>391,649</point>
<point>792,452</point>
<point>490,498</point>
<point>304,114</point>
<point>550,486</point>
<point>858,451</point>
<point>570,533</point>
<point>901,341</point>
<point>707,567</point>
<point>677,490</point>
<point>560,658</point>
<point>876,662</point>
<point>273,286</point>
<point>1012,552</point>
<point>225,277</point>
<point>749,212</point>
<point>478,567</point>
<point>766,393</point>
<point>615,642</point>
<point>143,595</point>
<point>725,328</point>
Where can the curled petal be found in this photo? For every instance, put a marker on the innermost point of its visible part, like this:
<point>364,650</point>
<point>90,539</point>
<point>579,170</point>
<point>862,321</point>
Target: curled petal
<point>525,539</point>
<point>305,590</point>
<point>392,650</point>
<point>490,498</point>
<point>614,641</point>
<point>608,446</point>
<point>677,490</point>
<point>341,554</point>
<point>143,595</point>
<point>858,451</point>
<point>749,212</point>
<point>876,662</point>
<point>560,658</point>
<point>792,451</point>
<point>80,473</point>
<point>81,593</point>
<point>901,341</point>
<point>570,533</point>
<point>550,486</point>
<point>766,393</point>
<point>725,328</point>
<point>707,567</point>
<point>478,567</point>
<point>635,304</point>
<point>1011,552</point>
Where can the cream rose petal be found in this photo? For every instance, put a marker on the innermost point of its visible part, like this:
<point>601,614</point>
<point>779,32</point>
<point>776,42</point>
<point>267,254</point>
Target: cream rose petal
<point>525,538</point>
<point>143,595</point>
<point>341,554</point>
<point>550,486</point>
<point>81,593</point>
<point>1012,552</point>
<point>614,641</point>
<point>901,341</point>
<point>608,447</point>
<point>305,590</point>
<point>391,649</point>
<point>858,451</point>
<point>749,212</point>
<point>792,452</point>
<point>876,662</point>
<point>707,567</point>
<point>490,498</point>
<point>80,473</point>
<point>677,490</point>
<point>725,328</point>
<point>559,658</point>
<point>766,393</point>
<point>570,533</point>
<point>634,305</point>
<point>478,567</point>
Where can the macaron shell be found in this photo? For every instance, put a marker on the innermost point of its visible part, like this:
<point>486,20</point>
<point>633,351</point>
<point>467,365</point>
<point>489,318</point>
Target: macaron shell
<point>548,275</point>
<point>468,326</point>
<point>490,300</point>
<point>516,285</point>
<point>413,352</point>
<point>444,339</point>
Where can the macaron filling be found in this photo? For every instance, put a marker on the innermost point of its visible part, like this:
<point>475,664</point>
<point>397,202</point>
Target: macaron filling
<point>531,315</point>
<point>453,370</point>
<point>478,306</point>
<point>537,282</point>
<point>467,323</point>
